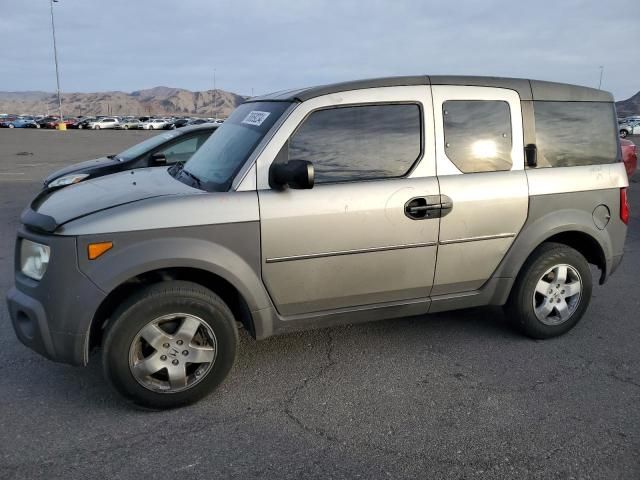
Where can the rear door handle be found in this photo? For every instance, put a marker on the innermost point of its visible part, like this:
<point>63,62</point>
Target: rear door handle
<point>431,206</point>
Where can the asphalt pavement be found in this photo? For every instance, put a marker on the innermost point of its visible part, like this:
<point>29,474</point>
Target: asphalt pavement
<point>454,395</point>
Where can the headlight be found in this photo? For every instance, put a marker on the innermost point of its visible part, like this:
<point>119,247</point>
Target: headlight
<point>67,180</point>
<point>34,259</point>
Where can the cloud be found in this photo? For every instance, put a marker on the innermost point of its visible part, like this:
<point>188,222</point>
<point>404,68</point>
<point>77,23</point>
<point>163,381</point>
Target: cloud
<point>271,45</point>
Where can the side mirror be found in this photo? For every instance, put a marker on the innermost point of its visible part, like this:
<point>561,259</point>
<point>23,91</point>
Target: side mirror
<point>158,159</point>
<point>531,155</point>
<point>296,174</point>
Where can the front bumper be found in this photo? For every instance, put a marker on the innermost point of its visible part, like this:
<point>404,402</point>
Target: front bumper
<point>53,316</point>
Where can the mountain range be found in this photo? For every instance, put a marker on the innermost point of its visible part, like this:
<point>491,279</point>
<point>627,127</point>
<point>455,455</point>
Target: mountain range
<point>160,101</point>
<point>153,101</point>
<point>628,107</point>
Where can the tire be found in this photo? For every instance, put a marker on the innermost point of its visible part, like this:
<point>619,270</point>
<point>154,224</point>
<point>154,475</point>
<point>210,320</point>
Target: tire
<point>536,292</point>
<point>79,127</point>
<point>142,373</point>
<point>97,127</point>
<point>12,126</point>
<point>126,127</point>
<point>623,133</point>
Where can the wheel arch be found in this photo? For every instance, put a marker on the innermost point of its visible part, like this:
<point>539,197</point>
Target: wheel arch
<point>571,227</point>
<point>227,291</point>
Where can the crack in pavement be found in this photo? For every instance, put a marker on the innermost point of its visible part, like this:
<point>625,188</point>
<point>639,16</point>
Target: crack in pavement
<point>330,362</point>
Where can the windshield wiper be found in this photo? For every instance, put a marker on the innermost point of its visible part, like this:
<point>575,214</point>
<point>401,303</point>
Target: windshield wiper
<point>196,180</point>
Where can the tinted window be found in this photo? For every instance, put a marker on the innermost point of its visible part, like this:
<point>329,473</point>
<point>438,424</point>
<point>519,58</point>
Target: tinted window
<point>355,143</point>
<point>182,150</point>
<point>145,146</point>
<point>575,133</point>
<point>477,135</point>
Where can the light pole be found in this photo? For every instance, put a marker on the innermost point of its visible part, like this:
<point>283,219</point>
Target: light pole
<point>600,82</point>
<point>215,96</point>
<point>55,58</point>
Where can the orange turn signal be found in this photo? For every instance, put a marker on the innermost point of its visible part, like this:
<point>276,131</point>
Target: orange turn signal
<point>97,249</point>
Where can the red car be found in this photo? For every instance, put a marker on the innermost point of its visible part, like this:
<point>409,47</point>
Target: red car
<point>629,156</point>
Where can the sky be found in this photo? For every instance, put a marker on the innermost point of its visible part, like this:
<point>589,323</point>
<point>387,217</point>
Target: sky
<point>263,46</point>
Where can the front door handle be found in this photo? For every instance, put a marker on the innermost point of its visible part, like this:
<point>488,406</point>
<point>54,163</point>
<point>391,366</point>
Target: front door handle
<point>431,206</point>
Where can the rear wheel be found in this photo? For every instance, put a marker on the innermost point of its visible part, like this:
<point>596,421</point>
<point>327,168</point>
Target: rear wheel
<point>624,133</point>
<point>170,345</point>
<point>552,292</point>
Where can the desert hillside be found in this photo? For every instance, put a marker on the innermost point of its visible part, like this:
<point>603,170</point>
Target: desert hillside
<point>630,106</point>
<point>153,101</point>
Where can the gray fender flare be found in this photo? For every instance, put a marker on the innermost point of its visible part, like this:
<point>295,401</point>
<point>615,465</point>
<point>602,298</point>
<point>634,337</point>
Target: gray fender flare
<point>127,261</point>
<point>538,229</point>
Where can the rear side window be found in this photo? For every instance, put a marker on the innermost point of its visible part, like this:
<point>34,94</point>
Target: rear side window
<point>575,133</point>
<point>359,143</point>
<point>477,135</point>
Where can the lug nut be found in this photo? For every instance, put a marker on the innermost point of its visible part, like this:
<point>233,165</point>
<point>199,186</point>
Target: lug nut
<point>179,342</point>
<point>562,292</point>
<point>550,291</point>
<point>163,357</point>
<point>165,345</point>
<point>175,362</point>
<point>185,352</point>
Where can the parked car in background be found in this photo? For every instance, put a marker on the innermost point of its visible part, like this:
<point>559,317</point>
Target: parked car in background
<point>629,128</point>
<point>23,123</point>
<point>103,123</point>
<point>629,156</point>
<point>163,149</point>
<point>154,124</point>
<point>84,123</point>
<point>80,123</point>
<point>129,124</point>
<point>48,122</point>
<point>198,121</point>
<point>177,123</point>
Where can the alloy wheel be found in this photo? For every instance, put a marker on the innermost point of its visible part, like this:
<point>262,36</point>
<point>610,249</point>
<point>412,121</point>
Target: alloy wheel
<point>557,294</point>
<point>173,353</point>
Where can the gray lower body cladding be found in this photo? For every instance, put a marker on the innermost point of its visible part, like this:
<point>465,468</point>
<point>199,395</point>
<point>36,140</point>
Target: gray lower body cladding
<point>53,316</point>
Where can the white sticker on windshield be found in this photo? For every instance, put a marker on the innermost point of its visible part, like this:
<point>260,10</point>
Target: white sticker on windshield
<point>256,117</point>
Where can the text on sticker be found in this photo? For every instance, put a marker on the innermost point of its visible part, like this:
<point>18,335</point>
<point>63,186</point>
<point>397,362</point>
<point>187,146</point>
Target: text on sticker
<point>256,117</point>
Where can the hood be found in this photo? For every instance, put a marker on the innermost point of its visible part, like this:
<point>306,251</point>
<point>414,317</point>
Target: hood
<point>86,165</point>
<point>106,192</point>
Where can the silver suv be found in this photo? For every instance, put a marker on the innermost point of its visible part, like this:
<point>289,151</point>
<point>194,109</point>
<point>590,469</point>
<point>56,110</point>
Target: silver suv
<point>341,203</point>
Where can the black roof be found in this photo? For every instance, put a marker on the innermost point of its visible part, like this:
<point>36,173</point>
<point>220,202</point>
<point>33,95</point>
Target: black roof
<point>200,126</point>
<point>527,89</point>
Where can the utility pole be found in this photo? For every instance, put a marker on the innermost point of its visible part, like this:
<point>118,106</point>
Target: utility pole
<point>214,110</point>
<point>600,82</point>
<point>55,58</point>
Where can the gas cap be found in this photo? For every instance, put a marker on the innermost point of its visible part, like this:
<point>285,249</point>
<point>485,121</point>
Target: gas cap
<point>601,216</point>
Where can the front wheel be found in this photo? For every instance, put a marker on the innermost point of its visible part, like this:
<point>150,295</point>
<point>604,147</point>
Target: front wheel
<point>552,292</point>
<point>623,134</point>
<point>170,345</point>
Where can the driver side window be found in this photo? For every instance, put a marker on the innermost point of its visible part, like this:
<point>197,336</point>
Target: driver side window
<point>182,150</point>
<point>362,142</point>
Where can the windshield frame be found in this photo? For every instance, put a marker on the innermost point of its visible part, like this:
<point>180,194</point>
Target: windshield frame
<point>244,167</point>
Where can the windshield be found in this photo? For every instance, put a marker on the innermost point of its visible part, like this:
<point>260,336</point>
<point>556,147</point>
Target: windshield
<point>143,147</point>
<point>220,158</point>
